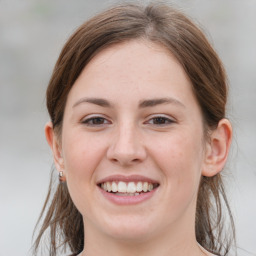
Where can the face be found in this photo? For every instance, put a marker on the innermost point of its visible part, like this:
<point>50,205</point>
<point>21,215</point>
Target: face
<point>132,143</point>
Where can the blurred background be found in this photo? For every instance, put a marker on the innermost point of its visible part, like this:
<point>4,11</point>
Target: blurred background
<point>32,34</point>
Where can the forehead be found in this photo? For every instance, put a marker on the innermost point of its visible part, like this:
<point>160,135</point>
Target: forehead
<point>140,67</point>
<point>133,54</point>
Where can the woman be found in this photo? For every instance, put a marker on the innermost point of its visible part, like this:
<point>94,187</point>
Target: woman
<point>139,138</point>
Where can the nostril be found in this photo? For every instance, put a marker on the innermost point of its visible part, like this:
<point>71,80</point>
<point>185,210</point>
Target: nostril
<point>125,161</point>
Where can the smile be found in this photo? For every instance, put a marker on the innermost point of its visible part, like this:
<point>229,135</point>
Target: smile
<point>122,188</point>
<point>128,190</point>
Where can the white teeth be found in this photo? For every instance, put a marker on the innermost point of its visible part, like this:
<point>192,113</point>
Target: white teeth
<point>121,187</point>
<point>130,188</point>
<point>114,187</point>
<point>139,186</point>
<point>109,187</point>
<point>145,187</point>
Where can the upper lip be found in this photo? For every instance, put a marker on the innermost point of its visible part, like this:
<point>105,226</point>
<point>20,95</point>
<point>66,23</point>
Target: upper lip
<point>129,178</point>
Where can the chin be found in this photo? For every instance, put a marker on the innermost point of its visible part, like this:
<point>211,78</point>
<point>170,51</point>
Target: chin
<point>129,229</point>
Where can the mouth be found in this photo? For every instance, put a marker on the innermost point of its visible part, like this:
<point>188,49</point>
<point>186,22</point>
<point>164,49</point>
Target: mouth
<point>131,188</point>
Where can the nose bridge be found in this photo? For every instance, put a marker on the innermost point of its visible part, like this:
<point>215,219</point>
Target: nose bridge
<point>126,147</point>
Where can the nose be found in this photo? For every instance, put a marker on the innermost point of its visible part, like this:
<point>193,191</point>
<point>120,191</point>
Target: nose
<point>126,147</point>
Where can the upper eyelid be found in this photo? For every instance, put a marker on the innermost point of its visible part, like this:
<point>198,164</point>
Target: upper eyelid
<point>162,116</point>
<point>94,116</point>
<point>168,121</point>
<point>91,116</point>
<point>149,117</point>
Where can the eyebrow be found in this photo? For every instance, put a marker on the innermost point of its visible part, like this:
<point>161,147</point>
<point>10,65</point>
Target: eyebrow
<point>142,104</point>
<point>96,101</point>
<point>159,101</point>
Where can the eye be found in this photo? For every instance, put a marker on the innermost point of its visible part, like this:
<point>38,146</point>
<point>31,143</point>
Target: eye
<point>95,121</point>
<point>160,121</point>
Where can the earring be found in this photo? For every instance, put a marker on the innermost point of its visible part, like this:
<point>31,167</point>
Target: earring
<point>61,177</point>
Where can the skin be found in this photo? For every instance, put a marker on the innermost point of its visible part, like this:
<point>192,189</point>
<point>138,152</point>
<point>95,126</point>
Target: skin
<point>164,142</point>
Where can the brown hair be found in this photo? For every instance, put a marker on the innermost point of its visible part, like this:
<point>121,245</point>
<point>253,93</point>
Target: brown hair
<point>164,25</point>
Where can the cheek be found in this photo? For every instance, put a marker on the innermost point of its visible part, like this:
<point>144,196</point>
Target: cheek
<point>82,154</point>
<point>180,158</point>
<point>179,150</point>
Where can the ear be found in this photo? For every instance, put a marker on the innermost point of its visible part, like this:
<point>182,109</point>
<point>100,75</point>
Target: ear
<point>55,146</point>
<point>217,149</point>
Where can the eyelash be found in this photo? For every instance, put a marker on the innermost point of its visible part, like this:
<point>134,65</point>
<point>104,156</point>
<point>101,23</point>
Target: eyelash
<point>162,121</point>
<point>90,121</point>
<point>97,121</point>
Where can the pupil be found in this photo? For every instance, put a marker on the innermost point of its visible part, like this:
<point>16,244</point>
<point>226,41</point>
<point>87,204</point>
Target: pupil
<point>98,120</point>
<point>160,120</point>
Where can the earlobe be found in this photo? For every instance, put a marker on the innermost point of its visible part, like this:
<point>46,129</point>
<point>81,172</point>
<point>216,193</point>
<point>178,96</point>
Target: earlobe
<point>217,149</point>
<point>55,146</point>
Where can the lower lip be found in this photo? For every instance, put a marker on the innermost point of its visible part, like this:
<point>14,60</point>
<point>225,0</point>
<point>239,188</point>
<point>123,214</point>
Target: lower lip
<point>127,200</point>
